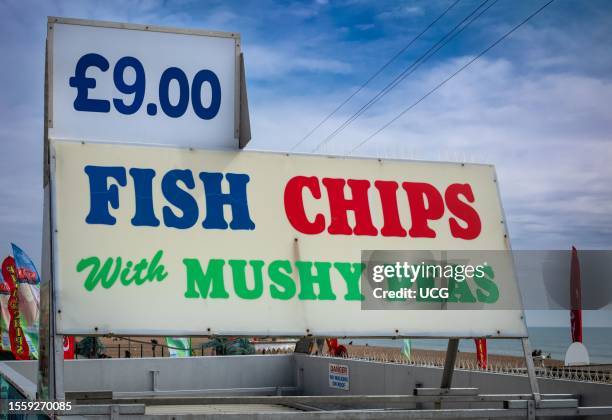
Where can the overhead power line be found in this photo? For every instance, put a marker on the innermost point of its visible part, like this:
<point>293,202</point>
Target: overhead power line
<point>380,70</point>
<point>439,85</point>
<point>449,36</point>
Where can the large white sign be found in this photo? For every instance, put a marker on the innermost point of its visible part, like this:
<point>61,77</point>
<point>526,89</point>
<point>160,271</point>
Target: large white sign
<point>143,84</point>
<point>164,241</point>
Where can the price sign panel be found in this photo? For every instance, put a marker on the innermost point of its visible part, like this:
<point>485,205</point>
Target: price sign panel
<point>142,84</point>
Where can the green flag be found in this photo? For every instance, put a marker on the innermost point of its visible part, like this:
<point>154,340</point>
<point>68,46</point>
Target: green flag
<point>179,346</point>
<point>406,349</point>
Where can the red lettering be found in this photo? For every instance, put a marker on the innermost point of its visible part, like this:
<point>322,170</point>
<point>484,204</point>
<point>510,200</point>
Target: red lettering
<point>426,204</point>
<point>294,204</point>
<point>425,201</point>
<point>339,206</point>
<point>387,191</point>
<point>462,211</point>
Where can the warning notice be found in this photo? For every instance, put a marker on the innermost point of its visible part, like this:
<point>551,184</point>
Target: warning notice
<point>339,376</point>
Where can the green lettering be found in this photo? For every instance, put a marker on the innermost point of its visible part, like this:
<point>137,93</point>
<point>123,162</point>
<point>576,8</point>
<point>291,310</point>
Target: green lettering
<point>102,274</point>
<point>459,291</point>
<point>279,271</point>
<point>488,285</point>
<point>203,282</point>
<point>240,282</point>
<point>307,280</point>
<point>138,269</point>
<point>351,273</point>
<point>124,280</point>
<point>156,270</point>
<point>97,274</point>
<point>92,279</point>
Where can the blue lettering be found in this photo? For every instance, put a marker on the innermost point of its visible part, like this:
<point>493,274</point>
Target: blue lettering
<point>181,211</point>
<point>179,198</point>
<point>174,73</point>
<point>82,83</point>
<point>101,194</point>
<point>236,199</point>
<point>143,190</point>
<point>201,77</point>
<point>137,88</point>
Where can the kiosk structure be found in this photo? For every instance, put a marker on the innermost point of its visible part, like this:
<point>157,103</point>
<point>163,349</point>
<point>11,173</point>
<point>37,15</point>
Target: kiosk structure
<point>227,242</point>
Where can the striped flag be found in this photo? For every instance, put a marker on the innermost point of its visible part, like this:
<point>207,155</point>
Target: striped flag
<point>19,344</point>
<point>29,297</point>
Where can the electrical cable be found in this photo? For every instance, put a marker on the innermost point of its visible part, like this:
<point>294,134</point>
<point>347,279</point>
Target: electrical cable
<point>527,19</point>
<point>449,36</point>
<point>380,70</point>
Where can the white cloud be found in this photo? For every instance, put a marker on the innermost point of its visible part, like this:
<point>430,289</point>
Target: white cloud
<point>265,62</point>
<point>365,26</point>
<point>401,12</point>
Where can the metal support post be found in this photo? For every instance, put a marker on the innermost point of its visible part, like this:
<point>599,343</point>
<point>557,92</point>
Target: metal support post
<point>449,362</point>
<point>531,373</point>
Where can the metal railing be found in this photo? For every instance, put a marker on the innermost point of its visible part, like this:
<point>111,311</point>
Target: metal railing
<point>494,365</point>
<point>582,374</point>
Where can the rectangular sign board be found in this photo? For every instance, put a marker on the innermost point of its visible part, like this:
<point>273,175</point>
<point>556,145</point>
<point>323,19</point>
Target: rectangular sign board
<point>339,376</point>
<point>168,241</point>
<point>142,84</point>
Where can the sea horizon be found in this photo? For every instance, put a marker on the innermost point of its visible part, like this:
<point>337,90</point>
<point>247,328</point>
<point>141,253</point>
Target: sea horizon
<point>551,340</point>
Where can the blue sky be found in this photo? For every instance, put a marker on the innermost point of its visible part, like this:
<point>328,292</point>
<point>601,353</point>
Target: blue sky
<point>537,106</point>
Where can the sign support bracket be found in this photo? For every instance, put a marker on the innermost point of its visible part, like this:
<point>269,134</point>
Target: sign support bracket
<point>449,368</point>
<point>451,358</point>
<point>531,373</point>
<point>449,363</point>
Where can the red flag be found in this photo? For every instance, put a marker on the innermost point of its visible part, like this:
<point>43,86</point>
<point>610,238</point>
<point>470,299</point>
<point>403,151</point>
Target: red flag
<point>19,345</point>
<point>332,345</point>
<point>481,352</point>
<point>68,347</point>
<point>335,349</point>
<point>575,298</point>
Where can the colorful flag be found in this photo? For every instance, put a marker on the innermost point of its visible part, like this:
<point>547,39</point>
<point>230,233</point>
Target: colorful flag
<point>406,349</point>
<point>179,346</point>
<point>19,344</point>
<point>29,297</point>
<point>575,298</point>
<point>26,271</point>
<point>481,352</point>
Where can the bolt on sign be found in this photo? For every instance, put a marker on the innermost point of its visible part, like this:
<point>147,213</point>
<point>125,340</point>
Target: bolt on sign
<point>177,242</point>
